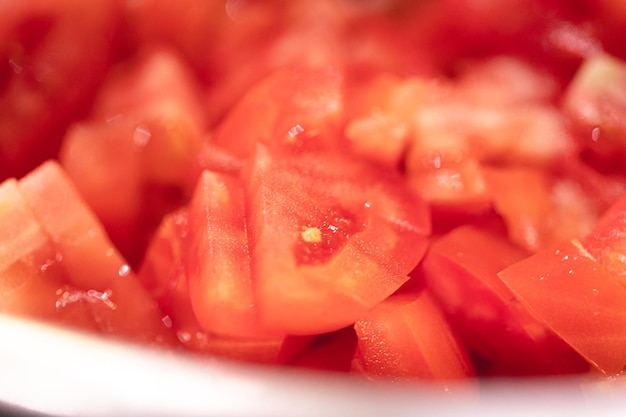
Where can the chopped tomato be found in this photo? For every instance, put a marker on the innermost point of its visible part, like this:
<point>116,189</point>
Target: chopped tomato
<point>164,274</point>
<point>189,26</point>
<point>461,270</point>
<point>596,103</point>
<point>292,107</point>
<point>375,187</point>
<point>539,207</point>
<point>588,312</point>
<point>30,272</point>
<point>135,159</point>
<point>36,78</point>
<point>407,337</point>
<point>607,241</point>
<point>67,259</point>
<point>330,237</point>
<point>217,259</point>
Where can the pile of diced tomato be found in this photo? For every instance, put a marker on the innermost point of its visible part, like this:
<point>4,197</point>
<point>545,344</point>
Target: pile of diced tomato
<point>401,190</point>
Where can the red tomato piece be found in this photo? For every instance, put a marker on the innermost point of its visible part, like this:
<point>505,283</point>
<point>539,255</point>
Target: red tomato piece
<point>90,261</point>
<point>136,158</point>
<point>217,259</point>
<point>407,337</point>
<point>35,76</point>
<point>607,242</point>
<point>540,208</point>
<point>377,114</point>
<point>189,26</point>
<point>328,234</point>
<point>597,106</point>
<point>488,28</point>
<point>33,279</point>
<point>451,181</point>
<point>292,107</point>
<point>588,312</point>
<point>461,270</point>
<point>164,275</point>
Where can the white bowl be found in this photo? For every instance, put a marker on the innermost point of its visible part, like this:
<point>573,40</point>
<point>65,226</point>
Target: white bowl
<point>45,370</point>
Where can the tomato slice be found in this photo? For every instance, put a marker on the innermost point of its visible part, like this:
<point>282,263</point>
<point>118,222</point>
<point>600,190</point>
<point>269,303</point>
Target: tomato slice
<point>408,337</point>
<point>330,237</point>
<point>588,312</point>
<point>461,270</point>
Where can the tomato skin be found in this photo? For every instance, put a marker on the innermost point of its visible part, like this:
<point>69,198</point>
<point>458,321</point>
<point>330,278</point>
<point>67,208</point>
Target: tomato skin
<point>407,337</point>
<point>588,314</point>
<point>461,270</point>
<point>313,215</point>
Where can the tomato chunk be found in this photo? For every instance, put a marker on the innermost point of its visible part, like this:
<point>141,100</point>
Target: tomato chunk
<point>134,159</point>
<point>408,337</point>
<point>597,106</point>
<point>62,265</point>
<point>217,259</point>
<point>461,270</point>
<point>164,274</point>
<point>588,312</point>
<point>328,234</point>
<point>53,55</point>
<point>292,107</point>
